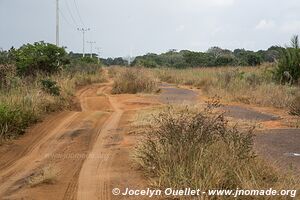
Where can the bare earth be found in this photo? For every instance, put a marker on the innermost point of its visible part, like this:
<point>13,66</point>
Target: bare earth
<point>90,150</point>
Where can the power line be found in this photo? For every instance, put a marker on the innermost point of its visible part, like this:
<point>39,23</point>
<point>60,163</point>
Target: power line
<point>70,13</point>
<point>66,20</point>
<point>78,13</point>
<point>83,30</point>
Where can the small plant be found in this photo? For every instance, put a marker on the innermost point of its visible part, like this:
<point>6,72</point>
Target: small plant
<point>7,74</point>
<point>47,175</point>
<point>50,87</point>
<point>295,106</point>
<point>13,121</point>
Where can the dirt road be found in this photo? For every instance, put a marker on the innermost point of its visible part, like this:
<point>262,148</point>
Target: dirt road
<point>83,150</point>
<point>86,153</point>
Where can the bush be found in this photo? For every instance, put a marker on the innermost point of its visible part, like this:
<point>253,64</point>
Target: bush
<point>13,121</point>
<point>134,81</point>
<point>40,57</point>
<point>7,74</point>
<point>289,62</point>
<point>188,148</point>
<point>50,87</point>
<point>295,106</point>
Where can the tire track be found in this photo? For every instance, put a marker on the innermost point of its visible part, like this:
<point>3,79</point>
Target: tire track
<point>94,177</point>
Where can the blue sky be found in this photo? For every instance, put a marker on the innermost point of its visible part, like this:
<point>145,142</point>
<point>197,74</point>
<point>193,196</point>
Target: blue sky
<point>141,26</point>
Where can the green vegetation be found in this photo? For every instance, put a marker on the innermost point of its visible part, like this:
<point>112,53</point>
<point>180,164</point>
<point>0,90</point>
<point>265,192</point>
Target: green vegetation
<point>114,61</point>
<point>215,56</point>
<point>134,81</point>
<point>37,79</point>
<point>39,57</point>
<point>187,147</point>
<point>288,68</point>
<point>50,87</point>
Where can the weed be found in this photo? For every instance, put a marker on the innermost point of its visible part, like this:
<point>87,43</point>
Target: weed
<point>295,106</point>
<point>50,87</point>
<point>192,148</point>
<point>47,175</point>
<point>134,81</point>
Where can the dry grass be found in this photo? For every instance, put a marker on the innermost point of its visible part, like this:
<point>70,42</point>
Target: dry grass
<point>187,147</point>
<point>134,80</point>
<point>25,102</point>
<point>295,106</point>
<point>241,84</point>
<point>46,175</point>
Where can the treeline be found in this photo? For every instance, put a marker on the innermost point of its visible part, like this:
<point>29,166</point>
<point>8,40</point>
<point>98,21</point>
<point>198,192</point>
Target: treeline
<point>215,56</point>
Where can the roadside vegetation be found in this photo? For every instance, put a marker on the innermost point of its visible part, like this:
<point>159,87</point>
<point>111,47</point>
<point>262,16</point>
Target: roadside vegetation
<point>241,84</point>
<point>37,79</point>
<point>190,147</point>
<point>133,80</point>
<point>270,84</point>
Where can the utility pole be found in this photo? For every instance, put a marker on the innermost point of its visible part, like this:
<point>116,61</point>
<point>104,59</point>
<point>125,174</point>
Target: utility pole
<point>91,43</point>
<point>98,52</point>
<point>57,22</point>
<point>83,30</point>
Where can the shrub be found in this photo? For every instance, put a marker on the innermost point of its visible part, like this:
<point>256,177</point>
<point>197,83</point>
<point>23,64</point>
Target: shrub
<point>13,121</point>
<point>134,81</point>
<point>188,148</point>
<point>295,106</point>
<point>40,57</point>
<point>50,87</point>
<point>7,74</point>
<point>289,62</point>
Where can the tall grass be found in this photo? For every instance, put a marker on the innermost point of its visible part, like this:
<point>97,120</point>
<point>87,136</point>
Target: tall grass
<point>242,84</point>
<point>24,101</point>
<point>134,80</point>
<point>192,148</point>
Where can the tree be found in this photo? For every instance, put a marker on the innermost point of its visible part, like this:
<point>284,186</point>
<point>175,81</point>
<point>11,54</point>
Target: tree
<point>289,62</point>
<point>40,57</point>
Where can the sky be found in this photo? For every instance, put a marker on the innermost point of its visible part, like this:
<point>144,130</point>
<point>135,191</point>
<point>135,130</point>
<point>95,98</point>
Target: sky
<point>137,27</point>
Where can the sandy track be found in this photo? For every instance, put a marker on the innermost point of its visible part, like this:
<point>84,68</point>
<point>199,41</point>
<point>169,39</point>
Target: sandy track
<point>35,153</point>
<point>94,175</point>
<point>95,134</point>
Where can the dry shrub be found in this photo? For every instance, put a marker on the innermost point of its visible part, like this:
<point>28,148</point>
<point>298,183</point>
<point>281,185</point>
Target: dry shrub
<point>46,175</point>
<point>187,148</point>
<point>7,76</point>
<point>295,106</point>
<point>24,102</point>
<point>133,80</point>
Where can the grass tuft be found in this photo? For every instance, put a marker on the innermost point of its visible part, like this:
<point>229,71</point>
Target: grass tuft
<point>133,80</point>
<point>191,148</point>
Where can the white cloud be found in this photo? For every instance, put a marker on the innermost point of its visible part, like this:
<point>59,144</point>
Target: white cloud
<point>265,24</point>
